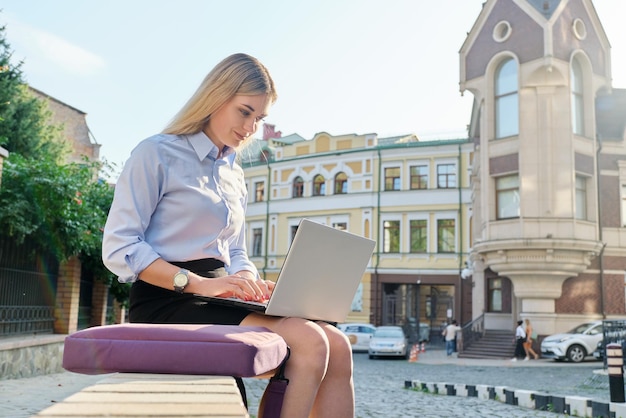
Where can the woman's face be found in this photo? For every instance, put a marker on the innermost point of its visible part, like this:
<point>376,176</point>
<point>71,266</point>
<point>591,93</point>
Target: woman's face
<point>237,120</point>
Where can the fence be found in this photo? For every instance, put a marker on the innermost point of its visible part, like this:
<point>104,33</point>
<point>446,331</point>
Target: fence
<point>28,282</point>
<point>613,331</point>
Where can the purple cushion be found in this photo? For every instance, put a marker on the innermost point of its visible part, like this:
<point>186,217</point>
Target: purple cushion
<point>227,350</point>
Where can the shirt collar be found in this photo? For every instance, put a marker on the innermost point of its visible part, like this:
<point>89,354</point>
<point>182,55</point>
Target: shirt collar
<point>204,147</point>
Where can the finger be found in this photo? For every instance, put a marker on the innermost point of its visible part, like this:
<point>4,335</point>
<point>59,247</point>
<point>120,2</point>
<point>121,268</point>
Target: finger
<point>252,288</point>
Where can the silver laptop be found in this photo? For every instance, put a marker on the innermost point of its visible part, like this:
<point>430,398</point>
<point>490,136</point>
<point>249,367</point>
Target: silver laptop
<point>319,277</point>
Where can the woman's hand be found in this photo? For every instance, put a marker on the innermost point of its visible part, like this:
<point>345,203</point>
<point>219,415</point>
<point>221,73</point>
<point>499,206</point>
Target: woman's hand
<point>241,285</point>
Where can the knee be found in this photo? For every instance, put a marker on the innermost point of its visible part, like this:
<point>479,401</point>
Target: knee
<point>340,351</point>
<point>310,347</point>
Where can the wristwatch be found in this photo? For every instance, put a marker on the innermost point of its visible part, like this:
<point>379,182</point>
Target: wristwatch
<point>181,280</point>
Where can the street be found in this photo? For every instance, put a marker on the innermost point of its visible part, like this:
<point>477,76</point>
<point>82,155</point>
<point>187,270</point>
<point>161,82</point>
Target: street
<point>379,385</point>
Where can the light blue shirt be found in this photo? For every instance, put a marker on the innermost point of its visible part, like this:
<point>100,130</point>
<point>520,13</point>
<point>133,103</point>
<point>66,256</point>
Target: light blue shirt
<point>176,200</point>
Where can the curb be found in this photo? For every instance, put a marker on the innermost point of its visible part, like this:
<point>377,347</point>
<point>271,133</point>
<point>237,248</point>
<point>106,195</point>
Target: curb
<point>575,406</point>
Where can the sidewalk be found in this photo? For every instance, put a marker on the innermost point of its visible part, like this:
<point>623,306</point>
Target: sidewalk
<point>25,397</point>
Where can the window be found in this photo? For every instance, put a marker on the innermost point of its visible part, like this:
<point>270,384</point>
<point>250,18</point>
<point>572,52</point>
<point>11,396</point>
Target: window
<point>341,183</point>
<point>298,187</point>
<point>392,178</point>
<point>418,236</point>
<point>445,236</point>
<point>292,231</point>
<point>495,294</point>
<point>578,105</point>
<point>419,177</point>
<point>507,197</point>
<point>342,226</point>
<point>319,185</point>
<point>446,176</point>
<point>581,197</point>
<point>259,191</point>
<point>257,242</point>
<point>391,236</point>
<point>506,99</point>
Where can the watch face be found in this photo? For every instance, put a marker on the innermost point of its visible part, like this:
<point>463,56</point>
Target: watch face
<point>180,279</point>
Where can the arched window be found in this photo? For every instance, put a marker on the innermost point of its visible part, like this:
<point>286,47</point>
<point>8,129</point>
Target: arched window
<point>578,104</point>
<point>506,99</point>
<point>319,185</point>
<point>341,183</point>
<point>298,187</point>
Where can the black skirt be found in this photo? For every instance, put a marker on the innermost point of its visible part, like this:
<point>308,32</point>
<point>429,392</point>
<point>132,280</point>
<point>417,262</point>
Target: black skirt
<point>156,305</point>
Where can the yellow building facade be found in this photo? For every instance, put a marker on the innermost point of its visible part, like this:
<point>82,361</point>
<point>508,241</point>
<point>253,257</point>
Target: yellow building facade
<point>411,196</point>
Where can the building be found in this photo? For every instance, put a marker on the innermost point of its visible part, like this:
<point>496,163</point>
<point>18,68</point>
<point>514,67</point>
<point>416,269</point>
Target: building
<point>75,128</point>
<point>39,296</point>
<point>549,168</point>
<point>412,197</point>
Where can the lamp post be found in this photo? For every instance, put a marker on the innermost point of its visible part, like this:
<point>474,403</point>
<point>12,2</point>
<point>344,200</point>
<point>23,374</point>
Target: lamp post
<point>466,273</point>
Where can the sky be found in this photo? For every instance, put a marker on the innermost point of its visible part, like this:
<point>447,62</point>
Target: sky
<point>389,67</point>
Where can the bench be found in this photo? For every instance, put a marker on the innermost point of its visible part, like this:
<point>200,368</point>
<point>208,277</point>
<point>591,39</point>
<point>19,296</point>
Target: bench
<point>183,349</point>
<point>153,395</point>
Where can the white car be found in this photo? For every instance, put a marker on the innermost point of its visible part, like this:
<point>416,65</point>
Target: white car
<point>573,345</point>
<point>389,341</point>
<point>358,334</point>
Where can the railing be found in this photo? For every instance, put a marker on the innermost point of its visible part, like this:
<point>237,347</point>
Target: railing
<point>471,333</point>
<point>28,281</point>
<point>15,320</point>
<point>613,331</point>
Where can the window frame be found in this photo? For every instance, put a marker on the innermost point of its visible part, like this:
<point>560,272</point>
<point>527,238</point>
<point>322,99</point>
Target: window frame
<point>257,242</point>
<point>340,184</point>
<point>257,197</point>
<point>577,91</point>
<point>319,187</point>
<point>506,100</point>
<point>393,181</point>
<point>390,238</point>
<point>297,187</point>
<point>422,178</point>
<point>447,184</point>
<point>413,240</point>
<point>581,199</point>
<point>502,192</point>
<point>443,240</point>
<point>495,293</point>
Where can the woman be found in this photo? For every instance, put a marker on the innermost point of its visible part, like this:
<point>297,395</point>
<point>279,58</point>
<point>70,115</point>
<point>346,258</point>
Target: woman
<point>528,343</point>
<point>176,229</point>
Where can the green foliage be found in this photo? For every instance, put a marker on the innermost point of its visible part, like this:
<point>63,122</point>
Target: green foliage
<point>59,207</point>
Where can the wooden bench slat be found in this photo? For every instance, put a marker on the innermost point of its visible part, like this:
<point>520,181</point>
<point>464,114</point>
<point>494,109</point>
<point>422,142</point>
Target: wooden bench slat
<point>152,395</point>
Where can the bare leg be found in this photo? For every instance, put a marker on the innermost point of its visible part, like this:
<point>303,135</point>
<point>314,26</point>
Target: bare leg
<point>307,366</point>
<point>335,396</point>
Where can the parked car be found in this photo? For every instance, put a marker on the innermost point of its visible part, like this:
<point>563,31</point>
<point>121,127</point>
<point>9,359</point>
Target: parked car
<point>389,341</point>
<point>601,350</point>
<point>574,345</point>
<point>358,334</point>
<point>598,353</point>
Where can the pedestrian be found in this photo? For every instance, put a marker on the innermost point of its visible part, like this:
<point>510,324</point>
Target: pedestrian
<point>528,343</point>
<point>520,337</point>
<point>176,229</point>
<point>449,335</point>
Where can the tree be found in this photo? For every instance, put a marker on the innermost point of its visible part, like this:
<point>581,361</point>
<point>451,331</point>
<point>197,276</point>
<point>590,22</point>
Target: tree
<point>61,208</point>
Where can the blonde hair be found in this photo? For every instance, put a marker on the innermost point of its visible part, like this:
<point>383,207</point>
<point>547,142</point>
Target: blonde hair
<point>237,74</point>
